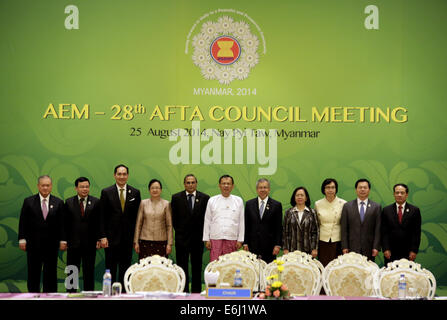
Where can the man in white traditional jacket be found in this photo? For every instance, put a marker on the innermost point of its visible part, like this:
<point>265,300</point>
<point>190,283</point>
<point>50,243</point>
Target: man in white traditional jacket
<point>223,230</point>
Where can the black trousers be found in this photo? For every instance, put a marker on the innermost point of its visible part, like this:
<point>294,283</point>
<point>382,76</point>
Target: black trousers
<point>119,259</point>
<point>42,259</point>
<point>182,254</point>
<point>86,255</point>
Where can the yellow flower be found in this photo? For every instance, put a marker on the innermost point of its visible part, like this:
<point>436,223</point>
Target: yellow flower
<point>279,262</point>
<point>277,284</point>
<point>280,268</point>
<point>274,276</point>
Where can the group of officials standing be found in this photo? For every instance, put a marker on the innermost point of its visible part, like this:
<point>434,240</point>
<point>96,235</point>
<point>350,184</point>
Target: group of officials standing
<point>120,221</point>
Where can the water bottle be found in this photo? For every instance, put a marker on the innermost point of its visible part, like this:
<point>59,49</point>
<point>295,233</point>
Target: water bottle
<point>237,278</point>
<point>107,284</point>
<point>402,287</point>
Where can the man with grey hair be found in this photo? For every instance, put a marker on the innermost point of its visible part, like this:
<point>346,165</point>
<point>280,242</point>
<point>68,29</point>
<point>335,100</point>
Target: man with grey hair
<point>41,235</point>
<point>263,223</point>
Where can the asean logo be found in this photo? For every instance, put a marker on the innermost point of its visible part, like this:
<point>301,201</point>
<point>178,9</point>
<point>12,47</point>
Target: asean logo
<point>226,49</point>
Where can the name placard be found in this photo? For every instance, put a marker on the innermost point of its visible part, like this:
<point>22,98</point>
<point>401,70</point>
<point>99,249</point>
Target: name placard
<point>229,293</point>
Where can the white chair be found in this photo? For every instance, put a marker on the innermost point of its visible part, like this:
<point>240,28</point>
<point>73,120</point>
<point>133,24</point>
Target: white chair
<point>419,279</point>
<point>260,265</point>
<point>302,274</point>
<point>227,265</point>
<point>154,273</point>
<point>350,274</point>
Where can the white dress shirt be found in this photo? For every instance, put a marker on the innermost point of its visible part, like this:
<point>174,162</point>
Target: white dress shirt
<point>224,219</point>
<point>365,204</point>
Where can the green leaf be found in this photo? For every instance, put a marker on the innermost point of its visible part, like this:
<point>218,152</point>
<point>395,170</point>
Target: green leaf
<point>4,174</point>
<point>424,242</point>
<point>396,170</point>
<point>26,167</point>
<point>12,260</point>
<point>3,236</point>
<point>439,231</point>
<point>433,261</point>
<point>10,222</point>
<point>438,168</point>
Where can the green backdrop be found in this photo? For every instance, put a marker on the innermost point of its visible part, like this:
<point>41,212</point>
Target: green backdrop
<point>313,56</point>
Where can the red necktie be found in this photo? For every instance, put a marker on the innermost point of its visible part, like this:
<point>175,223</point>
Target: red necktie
<point>81,204</point>
<point>399,214</point>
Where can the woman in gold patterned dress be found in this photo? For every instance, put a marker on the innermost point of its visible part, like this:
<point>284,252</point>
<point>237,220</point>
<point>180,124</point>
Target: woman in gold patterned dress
<point>153,229</point>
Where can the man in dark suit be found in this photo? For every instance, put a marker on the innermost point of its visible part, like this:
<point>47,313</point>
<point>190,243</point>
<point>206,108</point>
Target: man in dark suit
<point>119,205</point>
<point>401,227</point>
<point>41,235</point>
<point>360,223</point>
<point>82,229</point>
<point>263,223</point>
<point>188,213</point>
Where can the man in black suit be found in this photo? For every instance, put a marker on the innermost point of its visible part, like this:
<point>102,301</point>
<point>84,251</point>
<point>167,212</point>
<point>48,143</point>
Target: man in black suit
<point>360,223</point>
<point>188,213</point>
<point>41,235</point>
<point>82,229</point>
<point>401,227</point>
<point>119,205</point>
<point>263,223</point>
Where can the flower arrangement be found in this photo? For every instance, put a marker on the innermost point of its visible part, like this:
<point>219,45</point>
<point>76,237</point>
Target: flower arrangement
<point>276,289</point>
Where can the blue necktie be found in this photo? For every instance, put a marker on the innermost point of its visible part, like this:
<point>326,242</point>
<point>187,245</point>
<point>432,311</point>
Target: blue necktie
<point>362,211</point>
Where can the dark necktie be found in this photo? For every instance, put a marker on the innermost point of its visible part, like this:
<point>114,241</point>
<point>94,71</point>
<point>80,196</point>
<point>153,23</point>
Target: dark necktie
<point>190,201</point>
<point>399,214</point>
<point>81,204</point>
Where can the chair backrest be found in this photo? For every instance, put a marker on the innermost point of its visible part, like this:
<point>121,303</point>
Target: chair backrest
<point>227,265</point>
<point>350,274</point>
<point>419,279</point>
<point>154,273</point>
<point>302,274</point>
<point>259,264</point>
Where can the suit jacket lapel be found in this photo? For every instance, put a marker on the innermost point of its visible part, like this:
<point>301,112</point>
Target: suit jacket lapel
<point>406,214</point>
<point>256,209</point>
<point>77,205</point>
<point>196,202</point>
<point>38,206</point>
<point>266,208</point>
<point>116,198</point>
<point>87,206</point>
<point>356,211</point>
<point>186,203</point>
<point>367,209</point>
<point>129,196</point>
<point>50,206</point>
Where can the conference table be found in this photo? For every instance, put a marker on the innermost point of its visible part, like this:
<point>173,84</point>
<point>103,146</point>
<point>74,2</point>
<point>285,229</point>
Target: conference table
<point>153,296</point>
